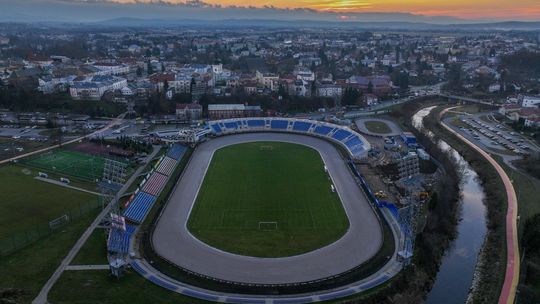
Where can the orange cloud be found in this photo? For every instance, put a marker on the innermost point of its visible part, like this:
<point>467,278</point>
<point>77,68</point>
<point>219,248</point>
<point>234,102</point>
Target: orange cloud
<point>504,9</point>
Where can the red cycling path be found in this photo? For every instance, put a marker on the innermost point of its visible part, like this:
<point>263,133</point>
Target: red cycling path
<point>511,278</point>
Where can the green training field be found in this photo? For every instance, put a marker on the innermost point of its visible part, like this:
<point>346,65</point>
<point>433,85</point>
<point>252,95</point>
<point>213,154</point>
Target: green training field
<point>267,199</point>
<point>28,203</point>
<point>84,166</point>
<point>379,127</point>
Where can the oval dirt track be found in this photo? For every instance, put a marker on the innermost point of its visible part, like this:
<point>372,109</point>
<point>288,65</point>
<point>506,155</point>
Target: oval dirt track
<point>172,240</point>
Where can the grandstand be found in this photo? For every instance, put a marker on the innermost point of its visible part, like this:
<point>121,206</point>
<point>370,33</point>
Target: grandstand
<point>176,152</point>
<point>139,207</point>
<point>166,166</point>
<point>118,240</point>
<point>355,143</point>
<point>152,186</point>
<point>155,184</point>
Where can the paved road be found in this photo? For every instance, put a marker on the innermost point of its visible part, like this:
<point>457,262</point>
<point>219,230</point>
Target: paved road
<point>42,296</point>
<point>173,241</point>
<point>508,292</point>
<point>61,184</point>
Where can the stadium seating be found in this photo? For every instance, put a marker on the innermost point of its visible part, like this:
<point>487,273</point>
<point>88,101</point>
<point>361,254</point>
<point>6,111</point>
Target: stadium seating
<point>216,128</point>
<point>355,141</point>
<point>301,126</point>
<point>176,152</point>
<point>255,123</point>
<point>162,283</point>
<point>279,124</point>
<point>352,141</point>
<point>155,184</point>
<point>341,134</point>
<point>231,125</point>
<point>166,167</point>
<point>118,241</point>
<point>323,130</point>
<point>139,207</point>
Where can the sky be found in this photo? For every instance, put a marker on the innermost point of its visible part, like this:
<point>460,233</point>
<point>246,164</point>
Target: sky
<point>466,9</point>
<point>436,11</point>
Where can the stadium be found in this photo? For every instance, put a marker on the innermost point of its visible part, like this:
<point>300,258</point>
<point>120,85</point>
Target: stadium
<point>264,210</point>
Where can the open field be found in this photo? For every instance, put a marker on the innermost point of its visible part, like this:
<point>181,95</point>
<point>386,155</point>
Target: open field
<point>94,251</point>
<point>29,268</point>
<point>71,163</point>
<point>267,199</point>
<point>28,203</point>
<point>378,127</point>
<point>99,287</point>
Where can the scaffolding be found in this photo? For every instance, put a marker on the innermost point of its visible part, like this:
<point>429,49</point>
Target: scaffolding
<point>114,171</point>
<point>408,217</point>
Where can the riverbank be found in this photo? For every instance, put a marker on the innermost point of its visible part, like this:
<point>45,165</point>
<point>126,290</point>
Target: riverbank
<point>490,269</point>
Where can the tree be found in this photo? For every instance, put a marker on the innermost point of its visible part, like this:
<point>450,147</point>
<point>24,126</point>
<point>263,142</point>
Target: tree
<point>531,235</point>
<point>370,87</point>
<point>150,68</point>
<point>350,97</point>
<point>455,77</point>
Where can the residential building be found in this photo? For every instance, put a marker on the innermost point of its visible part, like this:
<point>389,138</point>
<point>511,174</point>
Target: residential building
<point>188,111</point>
<point>222,111</point>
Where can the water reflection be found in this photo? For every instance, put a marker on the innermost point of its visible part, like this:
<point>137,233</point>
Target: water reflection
<point>455,275</point>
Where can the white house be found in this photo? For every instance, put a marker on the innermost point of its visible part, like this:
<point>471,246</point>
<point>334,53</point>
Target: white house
<point>93,88</point>
<point>528,101</point>
<point>330,90</point>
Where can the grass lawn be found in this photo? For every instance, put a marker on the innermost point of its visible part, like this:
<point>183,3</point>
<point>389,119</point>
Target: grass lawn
<point>29,268</point>
<point>268,203</point>
<point>525,186</point>
<point>98,287</point>
<point>378,127</point>
<point>94,251</point>
<point>28,203</point>
<point>71,163</point>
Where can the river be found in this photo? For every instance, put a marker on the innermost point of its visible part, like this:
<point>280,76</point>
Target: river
<point>455,275</point>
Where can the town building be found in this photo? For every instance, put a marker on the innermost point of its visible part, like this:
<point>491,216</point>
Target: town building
<point>188,111</point>
<point>223,111</point>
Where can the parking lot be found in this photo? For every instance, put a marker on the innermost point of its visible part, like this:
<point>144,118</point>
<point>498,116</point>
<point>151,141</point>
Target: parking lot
<point>493,137</point>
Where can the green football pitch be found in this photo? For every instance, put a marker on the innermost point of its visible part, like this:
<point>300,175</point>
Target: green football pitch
<point>267,199</point>
<point>84,166</point>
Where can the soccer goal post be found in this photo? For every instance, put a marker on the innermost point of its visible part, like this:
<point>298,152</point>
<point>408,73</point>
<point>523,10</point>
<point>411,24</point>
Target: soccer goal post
<point>59,222</point>
<point>266,148</point>
<point>268,226</point>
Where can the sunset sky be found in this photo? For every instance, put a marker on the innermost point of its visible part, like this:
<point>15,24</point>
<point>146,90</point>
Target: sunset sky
<point>468,9</point>
<point>430,11</point>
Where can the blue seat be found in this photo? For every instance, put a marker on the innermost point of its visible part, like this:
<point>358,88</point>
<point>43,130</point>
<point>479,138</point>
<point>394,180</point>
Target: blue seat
<point>353,142</point>
<point>323,130</point>
<point>341,134</point>
<point>162,283</point>
<point>231,125</point>
<point>176,152</point>
<point>301,126</point>
<point>139,207</point>
<point>279,124</point>
<point>216,128</point>
<point>118,240</point>
<point>255,123</point>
